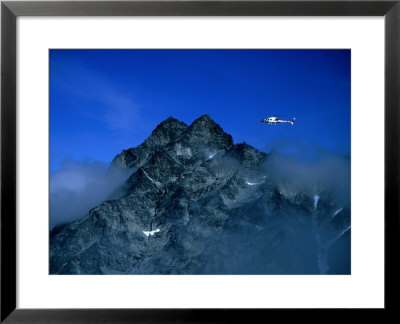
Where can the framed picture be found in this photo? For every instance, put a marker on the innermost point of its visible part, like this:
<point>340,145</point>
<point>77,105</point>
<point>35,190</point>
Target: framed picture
<point>190,160</point>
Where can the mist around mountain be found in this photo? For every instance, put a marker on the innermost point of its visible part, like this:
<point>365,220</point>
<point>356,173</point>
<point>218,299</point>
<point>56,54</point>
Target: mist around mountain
<point>191,201</point>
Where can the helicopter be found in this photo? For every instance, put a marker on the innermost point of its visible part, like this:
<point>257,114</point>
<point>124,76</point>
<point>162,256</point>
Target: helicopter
<point>275,120</point>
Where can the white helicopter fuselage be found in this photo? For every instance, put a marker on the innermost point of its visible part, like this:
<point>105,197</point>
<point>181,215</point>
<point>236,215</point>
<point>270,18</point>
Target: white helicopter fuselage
<point>276,120</point>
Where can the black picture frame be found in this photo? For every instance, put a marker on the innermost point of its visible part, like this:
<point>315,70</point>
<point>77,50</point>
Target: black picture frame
<point>10,10</point>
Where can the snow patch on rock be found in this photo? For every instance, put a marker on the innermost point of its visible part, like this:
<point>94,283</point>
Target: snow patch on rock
<point>316,198</point>
<point>337,212</point>
<point>151,179</point>
<point>211,155</point>
<point>151,233</point>
<point>256,183</point>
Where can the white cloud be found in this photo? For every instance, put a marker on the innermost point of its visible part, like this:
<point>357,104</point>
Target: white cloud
<point>79,186</point>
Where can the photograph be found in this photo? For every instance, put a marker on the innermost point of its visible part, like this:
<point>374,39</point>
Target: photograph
<point>199,162</point>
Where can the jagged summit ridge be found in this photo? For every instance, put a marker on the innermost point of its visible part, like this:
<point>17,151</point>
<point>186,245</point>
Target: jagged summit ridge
<point>171,126</point>
<point>205,122</point>
<point>165,132</point>
<point>203,132</point>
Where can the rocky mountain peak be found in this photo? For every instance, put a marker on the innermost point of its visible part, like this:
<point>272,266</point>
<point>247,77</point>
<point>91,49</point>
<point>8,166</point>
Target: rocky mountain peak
<point>165,133</point>
<point>205,123</point>
<point>171,126</point>
<point>196,204</point>
<point>205,131</point>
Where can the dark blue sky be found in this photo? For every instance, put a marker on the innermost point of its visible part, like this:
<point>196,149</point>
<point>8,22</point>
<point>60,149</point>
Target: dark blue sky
<point>103,101</point>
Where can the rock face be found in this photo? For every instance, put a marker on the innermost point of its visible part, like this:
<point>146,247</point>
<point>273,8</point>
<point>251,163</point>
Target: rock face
<point>197,203</point>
